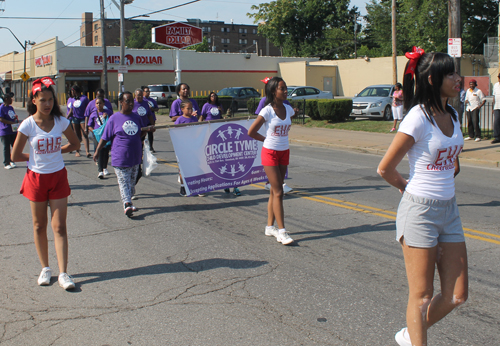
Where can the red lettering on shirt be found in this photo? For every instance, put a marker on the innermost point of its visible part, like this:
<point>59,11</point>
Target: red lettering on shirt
<point>48,145</point>
<point>281,130</point>
<point>445,159</point>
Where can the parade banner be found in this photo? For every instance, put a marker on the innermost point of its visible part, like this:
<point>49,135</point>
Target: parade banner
<point>214,156</point>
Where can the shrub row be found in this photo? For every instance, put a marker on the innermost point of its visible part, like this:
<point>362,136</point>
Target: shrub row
<point>336,110</point>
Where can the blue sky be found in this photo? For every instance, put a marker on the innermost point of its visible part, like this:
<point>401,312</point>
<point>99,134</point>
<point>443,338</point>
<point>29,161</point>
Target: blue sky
<point>68,30</point>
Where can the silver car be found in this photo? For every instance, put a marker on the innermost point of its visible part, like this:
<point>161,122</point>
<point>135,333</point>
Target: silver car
<point>307,92</point>
<point>162,93</point>
<point>373,102</point>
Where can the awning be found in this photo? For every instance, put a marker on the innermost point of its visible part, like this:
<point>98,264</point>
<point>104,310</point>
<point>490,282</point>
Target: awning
<point>6,76</point>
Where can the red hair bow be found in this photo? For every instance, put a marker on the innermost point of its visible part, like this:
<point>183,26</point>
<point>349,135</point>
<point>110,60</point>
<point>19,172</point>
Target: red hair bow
<point>265,80</point>
<point>37,84</point>
<point>414,57</point>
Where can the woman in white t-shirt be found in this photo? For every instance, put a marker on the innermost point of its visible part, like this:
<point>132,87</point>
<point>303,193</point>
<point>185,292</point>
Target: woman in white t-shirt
<point>46,181</point>
<point>428,224</point>
<point>275,153</point>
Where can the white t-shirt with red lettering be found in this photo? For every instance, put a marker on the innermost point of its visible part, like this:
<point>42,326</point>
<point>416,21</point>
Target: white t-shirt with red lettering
<point>277,129</point>
<point>45,147</point>
<point>432,157</point>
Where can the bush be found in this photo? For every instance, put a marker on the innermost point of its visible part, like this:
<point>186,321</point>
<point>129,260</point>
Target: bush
<point>312,109</point>
<point>336,110</point>
<point>252,105</point>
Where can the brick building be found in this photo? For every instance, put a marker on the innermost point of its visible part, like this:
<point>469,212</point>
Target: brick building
<point>222,37</point>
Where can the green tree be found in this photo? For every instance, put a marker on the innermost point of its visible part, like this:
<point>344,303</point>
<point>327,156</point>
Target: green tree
<point>140,37</point>
<point>202,47</point>
<point>424,23</point>
<point>307,27</point>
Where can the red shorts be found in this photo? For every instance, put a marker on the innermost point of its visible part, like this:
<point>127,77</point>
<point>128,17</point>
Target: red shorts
<point>43,187</point>
<point>274,157</point>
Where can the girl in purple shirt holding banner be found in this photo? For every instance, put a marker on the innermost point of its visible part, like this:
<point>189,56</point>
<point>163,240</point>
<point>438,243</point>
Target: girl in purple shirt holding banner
<point>212,110</point>
<point>125,129</point>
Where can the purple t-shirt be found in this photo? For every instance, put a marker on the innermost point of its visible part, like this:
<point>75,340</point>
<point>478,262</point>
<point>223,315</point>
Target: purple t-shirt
<point>79,105</point>
<point>175,108</point>
<point>7,113</point>
<point>152,104</point>
<point>143,110</point>
<point>125,133</point>
<point>211,112</point>
<point>93,122</point>
<point>91,108</point>
<point>262,104</point>
<point>68,105</point>
<point>183,120</point>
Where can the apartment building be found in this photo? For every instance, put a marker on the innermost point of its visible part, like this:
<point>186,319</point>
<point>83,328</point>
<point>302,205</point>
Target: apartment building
<point>222,37</point>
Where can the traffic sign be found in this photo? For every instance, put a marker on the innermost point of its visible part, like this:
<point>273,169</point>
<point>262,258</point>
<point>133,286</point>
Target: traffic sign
<point>176,35</point>
<point>455,47</point>
<point>25,76</point>
<point>123,69</point>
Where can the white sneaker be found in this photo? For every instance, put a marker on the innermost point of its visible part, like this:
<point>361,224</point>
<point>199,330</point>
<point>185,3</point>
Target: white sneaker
<point>8,167</point>
<point>100,175</point>
<point>467,139</point>
<point>65,281</point>
<point>105,171</point>
<point>13,165</point>
<point>478,139</point>
<point>402,337</point>
<point>286,189</point>
<point>267,186</point>
<point>44,278</point>
<point>271,231</point>
<point>134,197</point>
<point>284,238</point>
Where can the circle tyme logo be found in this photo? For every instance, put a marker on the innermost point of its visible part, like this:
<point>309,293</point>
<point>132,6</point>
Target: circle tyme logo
<point>141,111</point>
<point>130,127</point>
<point>230,152</point>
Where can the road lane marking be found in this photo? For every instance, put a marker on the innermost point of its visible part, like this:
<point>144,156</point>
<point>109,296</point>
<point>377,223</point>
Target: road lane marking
<point>388,214</point>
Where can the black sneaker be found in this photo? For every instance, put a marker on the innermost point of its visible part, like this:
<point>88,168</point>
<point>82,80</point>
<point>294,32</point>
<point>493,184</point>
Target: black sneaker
<point>183,191</point>
<point>128,209</point>
<point>495,141</point>
<point>236,192</point>
<point>227,190</point>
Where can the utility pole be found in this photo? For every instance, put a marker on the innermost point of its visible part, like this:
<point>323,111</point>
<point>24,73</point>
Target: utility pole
<point>122,41</point>
<point>454,31</point>
<point>104,52</point>
<point>355,37</point>
<point>394,45</point>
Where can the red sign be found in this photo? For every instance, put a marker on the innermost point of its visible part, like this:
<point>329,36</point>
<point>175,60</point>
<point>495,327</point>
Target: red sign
<point>129,60</point>
<point>43,60</point>
<point>177,35</point>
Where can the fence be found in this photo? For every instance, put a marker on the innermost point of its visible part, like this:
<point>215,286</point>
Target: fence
<point>485,121</point>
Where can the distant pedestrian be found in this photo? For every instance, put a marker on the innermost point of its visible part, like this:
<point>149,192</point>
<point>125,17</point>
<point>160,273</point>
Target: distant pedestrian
<point>212,110</point>
<point>183,91</point>
<point>91,106</point>
<point>462,103</point>
<point>46,181</point>
<point>153,105</point>
<point>77,115</point>
<point>8,118</point>
<point>125,129</point>
<point>496,112</point>
<point>428,223</point>
<point>98,118</point>
<point>474,100</point>
<point>397,105</point>
<point>275,153</point>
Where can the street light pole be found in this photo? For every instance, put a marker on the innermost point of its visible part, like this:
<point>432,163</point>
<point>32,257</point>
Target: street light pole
<point>24,48</point>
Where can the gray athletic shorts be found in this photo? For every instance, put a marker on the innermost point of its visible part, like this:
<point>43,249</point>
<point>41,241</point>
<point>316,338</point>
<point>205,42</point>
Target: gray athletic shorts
<point>425,222</point>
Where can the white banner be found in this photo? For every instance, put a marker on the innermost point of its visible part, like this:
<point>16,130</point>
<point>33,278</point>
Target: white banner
<point>214,156</point>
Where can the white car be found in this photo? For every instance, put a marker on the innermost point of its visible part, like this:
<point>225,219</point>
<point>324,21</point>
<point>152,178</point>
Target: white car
<point>307,92</point>
<point>373,102</point>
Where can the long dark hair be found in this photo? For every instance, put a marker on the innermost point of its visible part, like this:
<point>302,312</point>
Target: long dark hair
<point>271,87</point>
<point>418,90</point>
<point>31,107</point>
<point>217,103</point>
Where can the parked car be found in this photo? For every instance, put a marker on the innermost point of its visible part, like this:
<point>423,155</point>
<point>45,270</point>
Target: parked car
<point>162,93</point>
<point>307,92</point>
<point>240,96</point>
<point>373,102</point>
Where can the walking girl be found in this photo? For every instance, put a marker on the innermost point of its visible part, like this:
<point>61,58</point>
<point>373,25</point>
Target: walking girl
<point>125,129</point>
<point>428,224</point>
<point>397,105</point>
<point>46,181</point>
<point>275,153</point>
